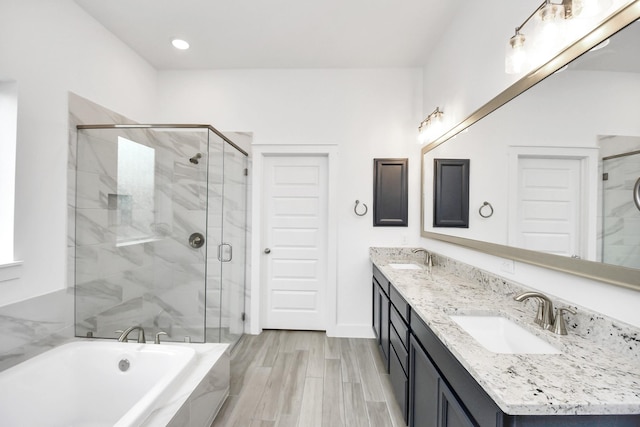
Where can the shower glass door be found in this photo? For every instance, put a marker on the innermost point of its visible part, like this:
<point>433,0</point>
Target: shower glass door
<point>226,281</point>
<point>621,216</point>
<point>141,231</point>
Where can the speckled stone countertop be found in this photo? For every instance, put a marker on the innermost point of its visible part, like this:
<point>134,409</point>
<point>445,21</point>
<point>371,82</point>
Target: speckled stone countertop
<point>598,371</point>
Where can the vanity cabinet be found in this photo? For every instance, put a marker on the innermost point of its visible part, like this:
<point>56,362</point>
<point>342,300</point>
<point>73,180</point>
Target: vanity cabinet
<point>424,397</point>
<point>432,387</point>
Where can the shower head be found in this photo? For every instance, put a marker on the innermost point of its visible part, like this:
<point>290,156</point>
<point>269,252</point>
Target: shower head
<point>195,158</point>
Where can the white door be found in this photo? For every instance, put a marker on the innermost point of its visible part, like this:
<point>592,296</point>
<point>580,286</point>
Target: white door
<point>549,215</point>
<point>295,242</point>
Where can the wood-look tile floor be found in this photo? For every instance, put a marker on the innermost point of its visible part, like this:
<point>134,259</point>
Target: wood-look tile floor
<point>306,379</point>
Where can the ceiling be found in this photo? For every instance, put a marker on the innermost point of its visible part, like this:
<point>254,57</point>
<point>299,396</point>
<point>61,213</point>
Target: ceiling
<point>226,34</point>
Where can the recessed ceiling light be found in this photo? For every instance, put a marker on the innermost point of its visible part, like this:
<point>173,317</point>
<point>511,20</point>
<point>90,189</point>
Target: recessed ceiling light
<point>180,44</point>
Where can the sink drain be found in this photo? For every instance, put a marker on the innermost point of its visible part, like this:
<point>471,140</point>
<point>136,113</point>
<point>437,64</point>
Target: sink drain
<point>124,365</point>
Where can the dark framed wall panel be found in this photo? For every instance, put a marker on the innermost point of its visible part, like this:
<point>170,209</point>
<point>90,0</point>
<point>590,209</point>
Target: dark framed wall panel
<point>451,193</point>
<point>390,192</point>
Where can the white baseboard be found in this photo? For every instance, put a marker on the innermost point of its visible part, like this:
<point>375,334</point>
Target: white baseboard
<point>352,331</point>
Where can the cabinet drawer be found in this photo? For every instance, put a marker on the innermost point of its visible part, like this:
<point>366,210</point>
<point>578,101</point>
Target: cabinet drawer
<point>401,305</point>
<point>381,280</point>
<point>401,327</point>
<point>400,350</point>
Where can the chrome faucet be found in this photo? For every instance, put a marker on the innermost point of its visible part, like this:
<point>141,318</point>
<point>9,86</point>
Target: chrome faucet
<point>544,317</point>
<point>428,260</point>
<point>125,334</point>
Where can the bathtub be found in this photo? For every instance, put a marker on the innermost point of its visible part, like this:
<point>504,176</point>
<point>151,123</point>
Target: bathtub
<point>100,383</point>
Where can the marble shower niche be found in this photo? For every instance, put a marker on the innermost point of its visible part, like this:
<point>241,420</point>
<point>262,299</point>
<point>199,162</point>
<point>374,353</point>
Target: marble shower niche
<point>160,222</point>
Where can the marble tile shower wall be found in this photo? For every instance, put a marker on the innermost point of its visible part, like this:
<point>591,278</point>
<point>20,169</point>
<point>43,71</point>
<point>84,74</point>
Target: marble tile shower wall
<point>134,264</point>
<point>618,236</point>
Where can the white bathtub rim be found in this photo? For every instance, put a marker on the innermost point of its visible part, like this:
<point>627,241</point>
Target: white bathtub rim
<point>207,355</point>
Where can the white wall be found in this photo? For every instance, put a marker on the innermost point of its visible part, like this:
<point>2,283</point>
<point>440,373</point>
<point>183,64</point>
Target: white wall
<point>366,113</point>
<point>51,48</point>
<point>463,73</point>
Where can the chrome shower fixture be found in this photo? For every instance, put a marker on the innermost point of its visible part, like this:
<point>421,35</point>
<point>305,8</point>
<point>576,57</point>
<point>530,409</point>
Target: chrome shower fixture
<point>195,158</point>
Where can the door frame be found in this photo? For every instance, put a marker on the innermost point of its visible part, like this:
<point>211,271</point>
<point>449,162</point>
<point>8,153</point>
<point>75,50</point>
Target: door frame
<point>588,157</point>
<point>330,151</point>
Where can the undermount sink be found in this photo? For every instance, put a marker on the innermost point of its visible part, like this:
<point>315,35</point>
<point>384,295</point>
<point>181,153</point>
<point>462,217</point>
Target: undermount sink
<point>404,266</point>
<point>501,335</point>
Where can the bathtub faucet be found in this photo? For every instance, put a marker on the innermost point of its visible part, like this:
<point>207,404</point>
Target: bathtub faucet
<point>125,334</point>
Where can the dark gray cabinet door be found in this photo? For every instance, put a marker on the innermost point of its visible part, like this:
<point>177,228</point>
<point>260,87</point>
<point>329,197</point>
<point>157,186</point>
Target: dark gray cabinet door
<point>452,414</point>
<point>398,379</point>
<point>423,388</point>
<point>384,327</point>
<point>376,309</point>
<point>390,192</point>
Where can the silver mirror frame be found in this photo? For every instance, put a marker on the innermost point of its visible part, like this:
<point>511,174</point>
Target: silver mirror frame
<point>615,275</point>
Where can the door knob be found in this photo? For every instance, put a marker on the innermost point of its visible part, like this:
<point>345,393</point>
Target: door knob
<point>267,251</point>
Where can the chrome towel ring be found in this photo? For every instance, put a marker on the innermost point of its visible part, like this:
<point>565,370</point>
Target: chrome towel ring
<point>636,194</point>
<point>355,209</point>
<point>486,204</point>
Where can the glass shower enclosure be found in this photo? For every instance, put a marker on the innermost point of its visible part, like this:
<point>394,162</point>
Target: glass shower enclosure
<point>160,235</point>
<point>621,211</point>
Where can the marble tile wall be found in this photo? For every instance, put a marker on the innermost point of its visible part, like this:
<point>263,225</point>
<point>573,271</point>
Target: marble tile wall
<point>134,263</point>
<point>159,281</point>
<point>621,240</point>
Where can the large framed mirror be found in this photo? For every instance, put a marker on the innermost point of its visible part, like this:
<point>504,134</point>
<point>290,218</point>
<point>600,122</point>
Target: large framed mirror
<point>557,155</point>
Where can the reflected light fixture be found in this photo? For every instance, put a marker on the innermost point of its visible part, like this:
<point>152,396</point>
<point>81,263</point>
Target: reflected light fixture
<point>548,28</point>
<point>431,127</point>
<point>180,44</point>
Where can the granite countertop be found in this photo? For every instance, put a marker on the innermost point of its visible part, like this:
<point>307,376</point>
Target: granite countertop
<point>596,373</point>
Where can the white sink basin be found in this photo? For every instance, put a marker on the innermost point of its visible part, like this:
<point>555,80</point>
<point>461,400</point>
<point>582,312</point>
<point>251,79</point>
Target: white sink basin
<point>405,266</point>
<point>501,335</point>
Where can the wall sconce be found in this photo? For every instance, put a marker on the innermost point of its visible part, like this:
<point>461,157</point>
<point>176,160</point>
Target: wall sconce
<point>550,27</point>
<point>431,127</point>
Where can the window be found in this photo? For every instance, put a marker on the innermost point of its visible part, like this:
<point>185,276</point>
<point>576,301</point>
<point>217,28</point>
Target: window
<point>8,125</point>
<point>132,209</point>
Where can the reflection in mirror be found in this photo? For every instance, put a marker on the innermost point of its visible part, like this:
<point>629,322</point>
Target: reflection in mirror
<point>558,163</point>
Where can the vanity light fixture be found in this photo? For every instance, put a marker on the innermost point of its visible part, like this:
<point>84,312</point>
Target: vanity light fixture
<point>431,127</point>
<point>549,27</point>
<point>180,44</point>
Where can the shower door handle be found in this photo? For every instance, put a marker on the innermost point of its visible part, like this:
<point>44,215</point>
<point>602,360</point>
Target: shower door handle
<point>225,252</point>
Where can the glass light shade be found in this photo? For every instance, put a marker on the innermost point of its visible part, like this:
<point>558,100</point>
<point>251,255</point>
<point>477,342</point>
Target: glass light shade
<point>589,8</point>
<point>516,56</point>
<point>436,129</point>
<point>551,12</point>
<point>422,136</point>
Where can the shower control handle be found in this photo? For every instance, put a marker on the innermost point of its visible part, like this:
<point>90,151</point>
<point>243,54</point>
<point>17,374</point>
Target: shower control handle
<point>267,251</point>
<point>196,240</point>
